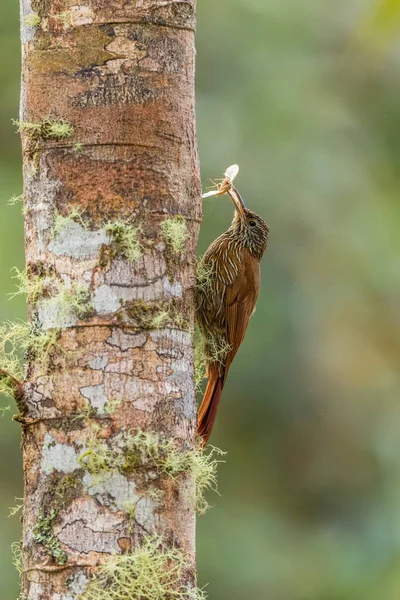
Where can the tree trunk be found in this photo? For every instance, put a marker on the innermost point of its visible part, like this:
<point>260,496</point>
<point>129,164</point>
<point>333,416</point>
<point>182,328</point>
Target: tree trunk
<point>112,209</point>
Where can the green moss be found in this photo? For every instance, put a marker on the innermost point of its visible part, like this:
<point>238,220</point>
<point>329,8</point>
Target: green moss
<point>14,341</point>
<point>31,284</point>
<point>84,48</point>
<point>4,410</point>
<point>98,459</point>
<point>18,200</point>
<point>204,274</point>
<point>155,315</point>
<point>17,557</point>
<point>124,240</point>
<point>66,489</point>
<point>71,300</point>
<point>156,495</point>
<point>74,215</point>
<point>147,451</point>
<point>15,200</point>
<point>130,511</point>
<point>48,128</point>
<point>200,361</point>
<point>175,234</point>
<point>111,406</point>
<point>85,415</point>
<point>43,534</point>
<point>207,349</point>
<point>161,319</point>
<point>14,510</point>
<point>151,571</point>
<point>32,20</point>
<point>17,340</point>
<point>42,346</point>
<point>64,17</point>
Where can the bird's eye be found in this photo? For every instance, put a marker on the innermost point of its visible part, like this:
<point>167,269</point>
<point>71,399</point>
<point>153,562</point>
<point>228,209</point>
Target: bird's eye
<point>252,223</point>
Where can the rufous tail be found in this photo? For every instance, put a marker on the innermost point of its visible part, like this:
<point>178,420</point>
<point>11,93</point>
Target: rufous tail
<point>209,406</point>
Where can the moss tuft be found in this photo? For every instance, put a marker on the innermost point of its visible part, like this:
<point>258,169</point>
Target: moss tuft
<point>204,273</point>
<point>67,488</point>
<point>98,459</point>
<point>64,17</point>
<point>175,234</point>
<point>14,510</point>
<point>124,240</point>
<point>19,339</point>
<point>15,200</point>
<point>5,409</point>
<point>32,20</point>
<point>154,315</point>
<point>151,571</point>
<point>161,319</point>
<point>207,349</point>
<point>130,511</point>
<point>17,557</point>
<point>111,406</point>
<point>149,451</point>
<point>48,128</point>
<point>62,221</point>
<point>43,534</point>
<point>71,300</point>
<point>32,285</point>
<point>42,344</point>
<point>14,341</point>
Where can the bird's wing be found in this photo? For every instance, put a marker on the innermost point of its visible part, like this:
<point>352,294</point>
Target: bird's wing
<point>222,272</point>
<point>241,298</point>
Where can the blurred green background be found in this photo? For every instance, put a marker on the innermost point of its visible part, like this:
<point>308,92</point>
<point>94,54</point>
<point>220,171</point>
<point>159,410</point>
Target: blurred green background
<point>305,96</point>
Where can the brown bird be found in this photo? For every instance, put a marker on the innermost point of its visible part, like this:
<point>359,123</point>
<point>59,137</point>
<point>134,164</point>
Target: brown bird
<point>227,295</point>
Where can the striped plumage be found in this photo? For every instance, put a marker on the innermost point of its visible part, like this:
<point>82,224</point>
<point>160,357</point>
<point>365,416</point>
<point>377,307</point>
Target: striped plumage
<point>228,299</point>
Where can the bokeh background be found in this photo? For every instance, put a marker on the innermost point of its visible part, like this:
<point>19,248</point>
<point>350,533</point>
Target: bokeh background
<point>305,96</point>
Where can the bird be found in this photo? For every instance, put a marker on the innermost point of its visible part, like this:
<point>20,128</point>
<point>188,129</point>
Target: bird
<point>227,295</point>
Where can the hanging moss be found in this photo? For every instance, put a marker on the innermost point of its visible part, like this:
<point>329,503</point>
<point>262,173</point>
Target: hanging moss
<point>148,451</point>
<point>17,556</point>
<point>207,349</point>
<point>22,339</point>
<point>152,571</point>
<point>32,283</point>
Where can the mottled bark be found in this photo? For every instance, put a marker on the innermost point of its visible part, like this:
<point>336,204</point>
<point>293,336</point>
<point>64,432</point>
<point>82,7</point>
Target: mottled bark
<point>121,75</point>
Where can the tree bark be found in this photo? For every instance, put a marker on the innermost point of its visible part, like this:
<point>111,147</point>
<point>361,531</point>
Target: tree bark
<point>112,210</point>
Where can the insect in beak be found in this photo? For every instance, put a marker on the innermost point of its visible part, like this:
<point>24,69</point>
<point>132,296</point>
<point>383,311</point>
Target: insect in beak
<point>237,201</point>
<point>226,185</point>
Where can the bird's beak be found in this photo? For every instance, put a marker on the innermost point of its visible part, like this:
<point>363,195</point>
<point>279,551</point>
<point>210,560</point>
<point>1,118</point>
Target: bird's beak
<point>237,201</point>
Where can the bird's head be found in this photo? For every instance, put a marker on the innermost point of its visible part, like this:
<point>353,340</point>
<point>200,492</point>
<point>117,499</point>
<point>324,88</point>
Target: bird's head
<point>248,227</point>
